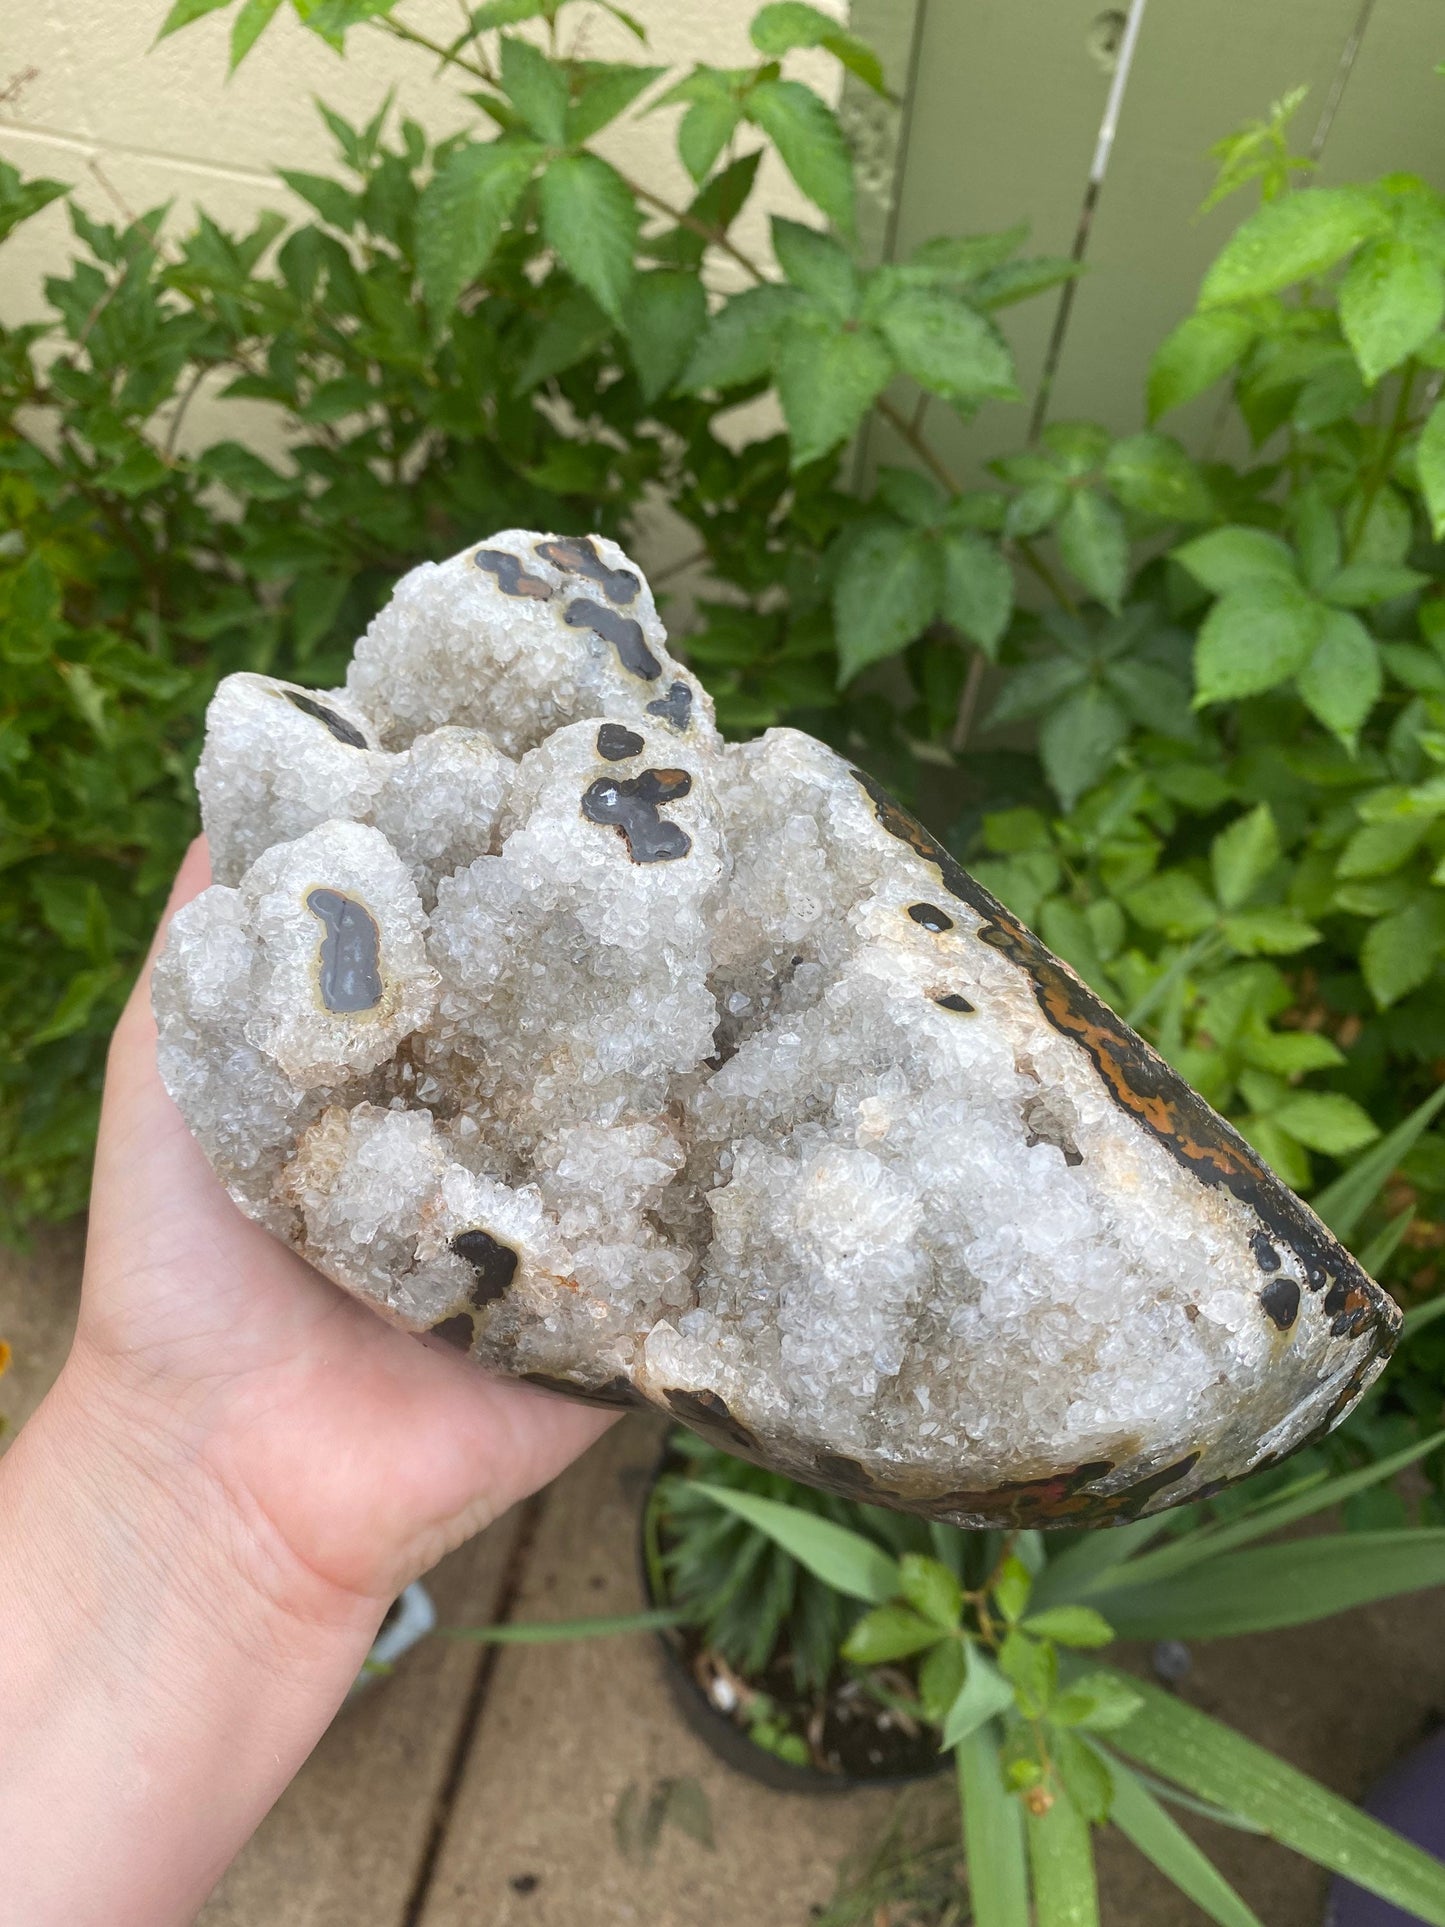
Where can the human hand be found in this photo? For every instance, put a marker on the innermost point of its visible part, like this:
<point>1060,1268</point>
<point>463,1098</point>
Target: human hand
<point>203,1524</point>
<point>353,1455</point>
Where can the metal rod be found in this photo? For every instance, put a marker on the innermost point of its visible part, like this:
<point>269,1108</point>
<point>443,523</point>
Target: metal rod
<point>1098,168</point>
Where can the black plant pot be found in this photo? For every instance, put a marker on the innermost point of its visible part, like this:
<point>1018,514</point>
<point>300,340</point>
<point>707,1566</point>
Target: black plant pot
<point>1411,1799</point>
<point>715,1727</point>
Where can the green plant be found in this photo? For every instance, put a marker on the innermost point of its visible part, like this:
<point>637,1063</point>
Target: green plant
<point>1007,1632</point>
<point>750,1602</point>
<point>1186,714</point>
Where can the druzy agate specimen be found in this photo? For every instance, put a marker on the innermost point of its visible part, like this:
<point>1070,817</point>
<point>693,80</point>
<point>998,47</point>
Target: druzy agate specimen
<point>656,1069</point>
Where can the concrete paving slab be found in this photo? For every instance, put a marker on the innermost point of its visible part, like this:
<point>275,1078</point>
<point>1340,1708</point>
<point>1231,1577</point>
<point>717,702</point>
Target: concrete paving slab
<point>568,1729</point>
<point>345,1844</point>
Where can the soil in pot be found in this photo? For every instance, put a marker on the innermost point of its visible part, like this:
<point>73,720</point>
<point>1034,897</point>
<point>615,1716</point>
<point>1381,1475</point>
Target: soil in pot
<point>855,1727</point>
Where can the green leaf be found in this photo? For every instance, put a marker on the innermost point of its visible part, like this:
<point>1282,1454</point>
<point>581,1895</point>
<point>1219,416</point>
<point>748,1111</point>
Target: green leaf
<point>1174,1739</point>
<point>505,13</point>
<point>931,1589</point>
<point>715,208</point>
<point>574,329</point>
<point>1078,740</point>
<point>1289,240</point>
<point>842,1559</point>
<point>1151,475</point>
<point>705,130</point>
<point>1088,1565</point>
<point>1327,1121</point>
<point>1228,558</point>
<point>603,89</point>
<point>336,204</point>
<point>1430,467</point>
<point>1267,933</point>
<point>591,219</point>
<point>547,1632</point>
<point>1015,281</point>
<point>1400,952</point>
<point>1342,681</point>
<point>1096,1702</point>
<point>978,588</point>
<point>1281,1585</point>
<point>1201,349</point>
<point>1083,1772</point>
<point>1254,638</point>
<point>248,26</point>
<point>886,593</point>
<point>786,24</point>
<point>984,1694</point>
<point>810,144</point>
<point>940,1679</point>
<point>185,11</point>
<point>462,212</point>
<point>993,1835</point>
<point>1361,584</point>
<point>1094,545</point>
<point>537,88</point>
<point>741,340</point>
<point>1391,302</point>
<point>1070,1626</point>
<point>1160,1838</point>
<point>1012,1588</point>
<point>1061,1859</point>
<point>245,474</point>
<point>20,199</point>
<point>888,1632</point>
<point>1344,1203</point>
<point>947,346</point>
<point>1172,902</point>
<point>1317,1495</point>
<point>828,377</point>
<point>814,263</point>
<point>664,315</point>
<point>1243,855</point>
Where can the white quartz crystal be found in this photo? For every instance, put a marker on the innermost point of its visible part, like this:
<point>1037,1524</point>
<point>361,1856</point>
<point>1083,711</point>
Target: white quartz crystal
<point>662,1069</point>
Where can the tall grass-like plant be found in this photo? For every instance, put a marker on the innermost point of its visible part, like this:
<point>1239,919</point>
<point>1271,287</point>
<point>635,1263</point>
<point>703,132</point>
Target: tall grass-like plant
<point>1010,1632</point>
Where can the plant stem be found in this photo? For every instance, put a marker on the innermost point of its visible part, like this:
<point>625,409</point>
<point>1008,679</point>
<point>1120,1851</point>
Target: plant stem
<point>1380,472</point>
<point>716,235</point>
<point>1180,967</point>
<point>1045,574</point>
<point>920,445</point>
<point>967,703</point>
<point>448,56</point>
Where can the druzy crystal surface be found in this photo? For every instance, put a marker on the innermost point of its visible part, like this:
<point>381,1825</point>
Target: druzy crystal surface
<point>658,1069</point>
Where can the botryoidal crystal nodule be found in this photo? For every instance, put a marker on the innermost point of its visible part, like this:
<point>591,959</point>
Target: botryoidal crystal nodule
<point>657,1069</point>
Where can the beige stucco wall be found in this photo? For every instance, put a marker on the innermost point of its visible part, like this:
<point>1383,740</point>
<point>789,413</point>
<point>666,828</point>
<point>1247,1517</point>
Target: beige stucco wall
<point>88,97</point>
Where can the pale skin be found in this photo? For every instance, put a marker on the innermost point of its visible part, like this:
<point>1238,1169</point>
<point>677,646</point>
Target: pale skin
<point>206,1519</point>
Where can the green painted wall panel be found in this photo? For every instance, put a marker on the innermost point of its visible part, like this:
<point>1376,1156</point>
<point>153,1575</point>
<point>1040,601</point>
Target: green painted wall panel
<point>1003,118</point>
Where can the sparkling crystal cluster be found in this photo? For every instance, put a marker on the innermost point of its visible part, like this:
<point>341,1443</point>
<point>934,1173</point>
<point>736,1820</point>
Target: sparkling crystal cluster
<point>653,1068</point>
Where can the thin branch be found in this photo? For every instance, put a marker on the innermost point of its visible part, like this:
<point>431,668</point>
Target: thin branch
<point>680,567</point>
<point>1380,470</point>
<point>920,445</point>
<point>967,703</point>
<point>716,235</point>
<point>173,432</point>
<point>1349,53</point>
<point>1033,560</point>
<point>447,55</point>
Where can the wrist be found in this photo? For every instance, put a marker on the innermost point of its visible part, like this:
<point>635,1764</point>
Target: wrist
<point>166,1668</point>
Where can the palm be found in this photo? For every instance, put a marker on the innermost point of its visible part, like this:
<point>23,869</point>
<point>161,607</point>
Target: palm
<point>367,1453</point>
